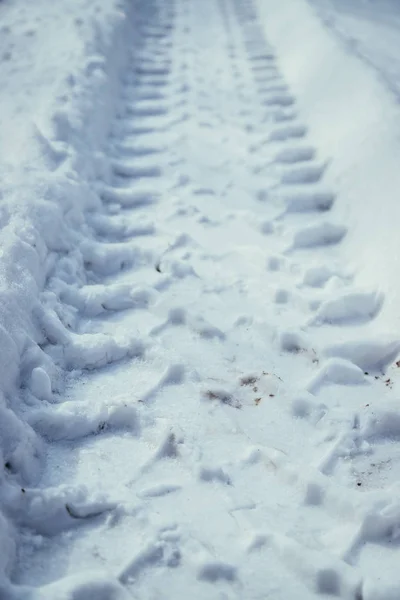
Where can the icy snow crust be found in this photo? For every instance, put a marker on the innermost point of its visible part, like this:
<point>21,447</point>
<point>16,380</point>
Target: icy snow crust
<point>198,315</point>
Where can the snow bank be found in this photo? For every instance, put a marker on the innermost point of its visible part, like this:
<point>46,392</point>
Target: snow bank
<point>352,120</point>
<point>52,133</point>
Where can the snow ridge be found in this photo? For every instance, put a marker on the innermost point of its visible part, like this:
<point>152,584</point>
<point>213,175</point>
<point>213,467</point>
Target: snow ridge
<point>43,226</point>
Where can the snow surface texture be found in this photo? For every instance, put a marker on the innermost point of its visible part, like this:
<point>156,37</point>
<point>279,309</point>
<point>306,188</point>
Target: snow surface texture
<point>198,314</point>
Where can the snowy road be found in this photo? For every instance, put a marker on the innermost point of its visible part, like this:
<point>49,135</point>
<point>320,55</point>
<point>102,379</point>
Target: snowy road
<point>209,384</point>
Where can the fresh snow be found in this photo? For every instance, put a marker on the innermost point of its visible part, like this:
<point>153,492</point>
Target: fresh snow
<point>199,300</point>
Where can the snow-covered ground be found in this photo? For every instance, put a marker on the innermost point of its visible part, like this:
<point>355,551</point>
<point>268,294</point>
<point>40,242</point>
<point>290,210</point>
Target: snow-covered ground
<point>370,30</point>
<point>199,300</point>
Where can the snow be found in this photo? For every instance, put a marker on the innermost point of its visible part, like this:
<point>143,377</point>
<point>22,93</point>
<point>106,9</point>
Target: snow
<point>198,285</point>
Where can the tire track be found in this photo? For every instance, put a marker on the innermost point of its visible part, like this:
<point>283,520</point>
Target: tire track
<point>213,199</point>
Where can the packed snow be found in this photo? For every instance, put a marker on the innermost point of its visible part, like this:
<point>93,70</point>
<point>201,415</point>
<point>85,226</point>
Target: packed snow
<point>199,300</point>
